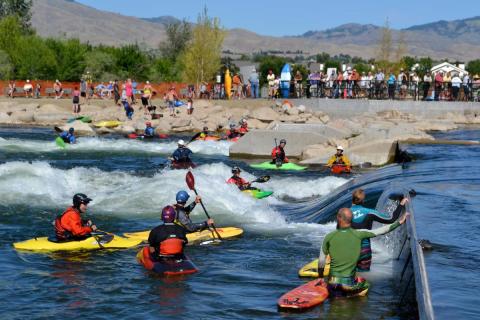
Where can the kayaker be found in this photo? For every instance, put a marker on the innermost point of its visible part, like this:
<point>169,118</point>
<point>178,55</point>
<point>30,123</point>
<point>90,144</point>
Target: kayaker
<point>183,213</point>
<point>69,226</point>
<point>149,130</point>
<point>363,218</point>
<point>169,238</point>
<point>200,135</point>
<point>182,154</point>
<point>241,183</point>
<point>243,127</point>
<point>339,158</point>
<point>344,245</point>
<point>278,153</point>
<point>68,136</point>
<point>233,132</point>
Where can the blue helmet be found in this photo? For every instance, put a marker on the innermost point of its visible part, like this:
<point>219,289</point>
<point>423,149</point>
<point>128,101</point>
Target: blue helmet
<point>182,196</point>
<point>71,130</point>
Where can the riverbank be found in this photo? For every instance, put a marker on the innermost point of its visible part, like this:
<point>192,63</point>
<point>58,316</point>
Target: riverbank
<point>368,130</point>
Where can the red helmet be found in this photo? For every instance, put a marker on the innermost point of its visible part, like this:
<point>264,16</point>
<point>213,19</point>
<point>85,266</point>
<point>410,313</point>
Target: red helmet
<point>148,123</point>
<point>169,214</point>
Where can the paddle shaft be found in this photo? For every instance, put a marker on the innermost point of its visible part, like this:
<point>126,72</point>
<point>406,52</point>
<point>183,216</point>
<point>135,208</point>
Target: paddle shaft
<point>208,216</point>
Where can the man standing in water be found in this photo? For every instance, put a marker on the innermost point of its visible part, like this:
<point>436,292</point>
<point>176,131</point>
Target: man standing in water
<point>343,246</point>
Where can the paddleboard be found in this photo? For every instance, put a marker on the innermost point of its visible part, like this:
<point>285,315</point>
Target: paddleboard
<point>60,143</point>
<point>195,237</point>
<point>108,241</point>
<point>107,124</point>
<point>270,166</point>
<point>166,266</point>
<point>259,194</point>
<point>306,296</point>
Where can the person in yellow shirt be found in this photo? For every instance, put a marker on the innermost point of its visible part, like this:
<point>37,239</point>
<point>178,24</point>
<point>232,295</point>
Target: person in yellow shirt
<point>339,158</point>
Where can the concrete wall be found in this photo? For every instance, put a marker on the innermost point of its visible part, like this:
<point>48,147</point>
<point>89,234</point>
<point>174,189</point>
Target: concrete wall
<point>341,108</point>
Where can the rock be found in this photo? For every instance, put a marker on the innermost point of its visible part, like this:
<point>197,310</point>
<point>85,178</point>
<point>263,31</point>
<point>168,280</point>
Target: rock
<point>325,119</point>
<point>125,129</point>
<point>21,117</point>
<point>237,113</point>
<point>217,109</point>
<point>103,130</point>
<point>377,152</point>
<point>51,108</point>
<point>313,119</point>
<point>4,117</point>
<point>81,129</point>
<point>349,127</point>
<point>50,118</point>
<point>163,126</point>
<point>180,123</point>
<point>200,116</point>
<point>265,114</point>
<point>292,111</point>
<point>319,152</point>
<point>301,108</point>
<point>257,124</point>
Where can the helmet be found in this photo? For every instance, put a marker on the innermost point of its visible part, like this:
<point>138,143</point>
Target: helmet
<point>205,128</point>
<point>71,130</point>
<point>181,142</point>
<point>243,121</point>
<point>283,141</point>
<point>236,169</point>
<point>182,196</point>
<point>80,198</point>
<point>232,125</point>
<point>339,148</point>
<point>148,123</point>
<point>168,214</point>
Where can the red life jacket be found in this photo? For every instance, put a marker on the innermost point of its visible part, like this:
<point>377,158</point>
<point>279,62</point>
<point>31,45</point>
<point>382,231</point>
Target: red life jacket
<point>171,246</point>
<point>240,182</point>
<point>69,225</point>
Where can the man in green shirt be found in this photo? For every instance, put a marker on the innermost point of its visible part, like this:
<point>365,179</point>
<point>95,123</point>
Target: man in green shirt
<point>343,246</point>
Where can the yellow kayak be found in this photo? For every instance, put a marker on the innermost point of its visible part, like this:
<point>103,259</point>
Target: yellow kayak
<point>310,270</point>
<point>107,124</point>
<point>195,237</point>
<point>108,241</point>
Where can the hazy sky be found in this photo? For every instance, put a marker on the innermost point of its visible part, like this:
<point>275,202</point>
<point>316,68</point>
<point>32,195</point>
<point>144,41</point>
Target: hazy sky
<point>269,17</point>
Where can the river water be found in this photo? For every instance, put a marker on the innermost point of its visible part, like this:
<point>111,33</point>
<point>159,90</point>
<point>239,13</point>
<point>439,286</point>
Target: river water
<point>239,279</point>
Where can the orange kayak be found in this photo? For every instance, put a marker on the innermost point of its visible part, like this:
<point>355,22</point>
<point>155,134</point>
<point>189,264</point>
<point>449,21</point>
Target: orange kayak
<point>306,296</point>
<point>173,266</point>
<point>340,168</point>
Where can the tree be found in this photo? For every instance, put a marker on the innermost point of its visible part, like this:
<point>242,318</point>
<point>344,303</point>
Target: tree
<point>178,36</point>
<point>202,57</point>
<point>474,67</point>
<point>70,56</point>
<point>385,45</point>
<point>20,9</point>
<point>322,57</point>
<point>131,62</point>
<point>424,65</point>
<point>274,63</point>
<point>401,47</point>
<point>34,59</point>
<point>99,64</point>
<point>6,66</point>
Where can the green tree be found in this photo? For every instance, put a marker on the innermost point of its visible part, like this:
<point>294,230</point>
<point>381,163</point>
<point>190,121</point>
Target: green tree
<point>385,44</point>
<point>274,63</point>
<point>322,57</point>
<point>99,64</point>
<point>34,59</point>
<point>70,56</point>
<point>10,33</point>
<point>6,66</point>
<point>202,57</point>
<point>424,65</point>
<point>131,62</point>
<point>473,67</point>
<point>362,67</point>
<point>19,9</point>
<point>178,36</point>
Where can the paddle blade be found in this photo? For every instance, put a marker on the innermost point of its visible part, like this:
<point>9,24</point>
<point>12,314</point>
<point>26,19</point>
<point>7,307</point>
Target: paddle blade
<point>190,180</point>
<point>262,179</point>
<point>58,129</point>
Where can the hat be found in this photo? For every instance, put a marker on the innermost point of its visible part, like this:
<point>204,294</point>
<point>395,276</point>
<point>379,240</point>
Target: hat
<point>28,81</point>
<point>339,148</point>
<point>148,82</point>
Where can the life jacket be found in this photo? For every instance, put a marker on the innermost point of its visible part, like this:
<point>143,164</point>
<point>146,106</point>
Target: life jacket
<point>173,245</point>
<point>61,227</point>
<point>202,135</point>
<point>238,181</point>
<point>232,134</point>
<point>243,129</point>
<point>339,160</point>
<point>278,153</point>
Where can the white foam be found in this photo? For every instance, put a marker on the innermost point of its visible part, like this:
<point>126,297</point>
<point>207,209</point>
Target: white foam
<point>299,188</point>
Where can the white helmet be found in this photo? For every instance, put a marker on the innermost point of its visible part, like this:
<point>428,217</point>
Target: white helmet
<point>181,142</point>
<point>339,148</point>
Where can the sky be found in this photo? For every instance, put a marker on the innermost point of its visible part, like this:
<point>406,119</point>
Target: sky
<point>268,17</point>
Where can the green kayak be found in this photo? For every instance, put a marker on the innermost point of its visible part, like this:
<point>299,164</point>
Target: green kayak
<point>259,194</point>
<point>270,166</point>
<point>60,143</point>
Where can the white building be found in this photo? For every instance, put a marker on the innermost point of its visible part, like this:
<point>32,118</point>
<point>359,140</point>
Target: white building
<point>446,67</point>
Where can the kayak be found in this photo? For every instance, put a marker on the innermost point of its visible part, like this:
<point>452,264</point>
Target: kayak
<point>195,237</point>
<point>271,166</point>
<point>259,194</point>
<point>310,270</point>
<point>139,136</point>
<point>209,138</point>
<point>60,143</point>
<point>107,241</point>
<point>234,139</point>
<point>339,169</point>
<point>107,124</point>
<point>306,296</point>
<point>166,266</point>
<point>183,165</point>
<point>84,119</point>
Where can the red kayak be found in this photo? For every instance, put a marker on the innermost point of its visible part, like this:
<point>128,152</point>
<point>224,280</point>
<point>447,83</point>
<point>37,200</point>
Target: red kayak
<point>306,296</point>
<point>166,266</point>
<point>183,165</point>
<point>340,168</point>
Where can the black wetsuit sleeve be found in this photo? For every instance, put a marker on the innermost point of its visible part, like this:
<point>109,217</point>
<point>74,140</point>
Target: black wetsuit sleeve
<point>190,207</point>
<point>196,136</point>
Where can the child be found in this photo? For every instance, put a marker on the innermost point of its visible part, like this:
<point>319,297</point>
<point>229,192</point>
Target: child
<point>76,100</point>
<point>189,106</point>
<point>128,109</point>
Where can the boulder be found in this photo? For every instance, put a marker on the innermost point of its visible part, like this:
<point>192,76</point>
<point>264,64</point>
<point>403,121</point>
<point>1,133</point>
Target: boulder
<point>103,130</point>
<point>379,152</point>
<point>265,114</point>
<point>320,152</point>
<point>50,118</point>
<point>257,124</point>
<point>180,123</point>
<point>163,126</point>
<point>4,118</point>
<point>52,108</point>
<point>292,111</point>
<point>237,113</point>
<point>81,129</point>
<point>325,119</point>
<point>301,108</point>
<point>21,116</point>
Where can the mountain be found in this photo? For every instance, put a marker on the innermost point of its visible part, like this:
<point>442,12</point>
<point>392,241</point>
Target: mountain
<point>455,40</point>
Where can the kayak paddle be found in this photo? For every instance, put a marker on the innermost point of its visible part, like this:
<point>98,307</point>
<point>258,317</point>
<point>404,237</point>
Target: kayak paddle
<point>57,129</point>
<point>261,179</point>
<point>191,185</point>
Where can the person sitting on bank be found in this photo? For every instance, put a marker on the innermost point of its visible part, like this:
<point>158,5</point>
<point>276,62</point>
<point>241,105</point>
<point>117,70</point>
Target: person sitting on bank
<point>68,136</point>
<point>278,153</point>
<point>344,248</point>
<point>149,130</point>
<point>339,159</point>
<point>69,226</point>
<point>241,183</point>
<point>183,213</point>
<point>363,218</point>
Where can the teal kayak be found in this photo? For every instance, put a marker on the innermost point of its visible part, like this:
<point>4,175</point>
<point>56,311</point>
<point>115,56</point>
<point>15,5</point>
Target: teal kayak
<point>270,166</point>
<point>259,194</point>
<point>60,143</point>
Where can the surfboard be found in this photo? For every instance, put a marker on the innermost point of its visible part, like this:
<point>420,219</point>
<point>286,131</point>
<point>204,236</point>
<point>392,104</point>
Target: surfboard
<point>306,296</point>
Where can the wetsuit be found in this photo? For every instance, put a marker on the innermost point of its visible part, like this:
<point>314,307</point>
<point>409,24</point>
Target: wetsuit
<point>183,218</point>
<point>363,218</point>
<point>343,246</point>
<point>69,226</point>
<point>342,160</point>
<point>149,132</point>
<point>279,154</point>
<point>182,156</point>
<point>241,183</point>
<point>200,136</point>
<point>67,137</point>
<point>168,239</point>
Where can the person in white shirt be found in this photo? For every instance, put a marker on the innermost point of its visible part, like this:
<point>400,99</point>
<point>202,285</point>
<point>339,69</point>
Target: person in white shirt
<point>456,83</point>
<point>28,89</point>
<point>271,84</point>
<point>466,87</point>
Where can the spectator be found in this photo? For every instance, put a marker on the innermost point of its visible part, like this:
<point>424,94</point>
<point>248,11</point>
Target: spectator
<point>91,91</point>
<point>427,80</point>
<point>189,106</point>
<point>466,87</point>
<point>116,92</point>
<point>402,84</point>
<point>276,87</point>
<point>447,86</point>
<point>456,83</point>
<point>170,97</point>
<point>83,89</point>
<point>271,83</point>
<point>254,84</point>
<point>76,101</point>
<point>38,88</point>
<point>438,85</point>
<point>370,86</point>
<point>129,91</point>
<point>414,80</point>
<point>298,79</point>
<point>57,87</point>
<point>391,86</point>
<point>11,89</point>
<point>379,83</point>
<point>28,89</point>
<point>146,96</point>
<point>237,86</point>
